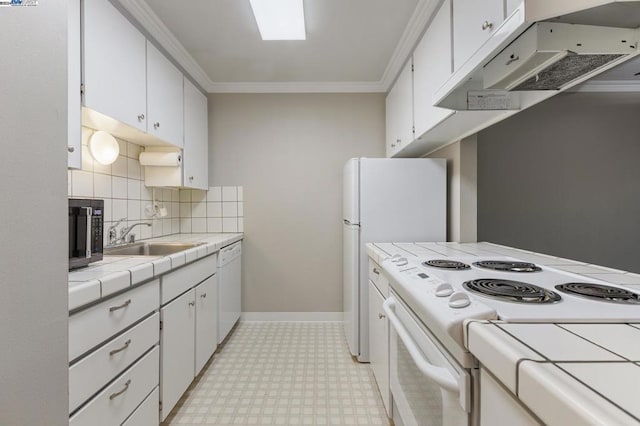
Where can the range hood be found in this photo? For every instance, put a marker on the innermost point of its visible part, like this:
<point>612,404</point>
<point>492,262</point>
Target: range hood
<point>551,55</point>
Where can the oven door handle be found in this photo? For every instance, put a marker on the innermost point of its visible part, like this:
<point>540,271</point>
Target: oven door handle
<point>440,375</point>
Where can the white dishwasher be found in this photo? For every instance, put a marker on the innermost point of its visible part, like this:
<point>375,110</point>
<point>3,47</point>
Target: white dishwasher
<point>229,294</point>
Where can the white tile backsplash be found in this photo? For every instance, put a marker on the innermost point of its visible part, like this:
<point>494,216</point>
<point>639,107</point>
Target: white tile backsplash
<point>229,193</point>
<point>214,193</point>
<point>121,185</point>
<point>122,188</point>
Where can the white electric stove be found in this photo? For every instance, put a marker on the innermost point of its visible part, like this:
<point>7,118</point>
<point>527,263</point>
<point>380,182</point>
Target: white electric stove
<point>432,297</point>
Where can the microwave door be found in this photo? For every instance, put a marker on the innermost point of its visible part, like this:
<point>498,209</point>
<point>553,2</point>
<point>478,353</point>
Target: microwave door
<point>82,228</point>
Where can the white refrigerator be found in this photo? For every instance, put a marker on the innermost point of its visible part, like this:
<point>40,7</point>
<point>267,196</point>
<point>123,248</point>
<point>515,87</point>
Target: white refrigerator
<point>385,200</point>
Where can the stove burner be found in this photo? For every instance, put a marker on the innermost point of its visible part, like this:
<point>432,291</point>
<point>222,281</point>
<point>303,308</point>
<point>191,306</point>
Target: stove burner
<point>446,264</point>
<point>507,266</point>
<point>511,291</point>
<point>600,292</point>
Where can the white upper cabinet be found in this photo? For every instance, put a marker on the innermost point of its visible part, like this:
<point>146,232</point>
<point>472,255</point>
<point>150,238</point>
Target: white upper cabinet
<point>74,101</point>
<point>431,68</point>
<point>399,111</point>
<point>196,138</point>
<point>164,98</point>
<point>114,60</point>
<point>474,21</point>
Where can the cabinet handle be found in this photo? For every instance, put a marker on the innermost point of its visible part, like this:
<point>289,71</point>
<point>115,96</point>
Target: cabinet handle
<point>126,386</point>
<point>191,178</point>
<point>393,145</point>
<point>203,295</point>
<point>398,141</point>
<point>71,148</point>
<point>140,117</point>
<point>375,271</point>
<point>486,25</point>
<point>382,316</point>
<point>192,303</point>
<point>512,59</point>
<point>156,125</point>
<point>125,346</point>
<point>124,305</point>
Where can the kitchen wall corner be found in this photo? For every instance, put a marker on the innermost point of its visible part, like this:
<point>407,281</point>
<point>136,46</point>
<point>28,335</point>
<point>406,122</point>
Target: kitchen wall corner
<point>462,203</point>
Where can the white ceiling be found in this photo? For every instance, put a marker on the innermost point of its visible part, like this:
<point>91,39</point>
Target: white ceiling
<point>353,43</point>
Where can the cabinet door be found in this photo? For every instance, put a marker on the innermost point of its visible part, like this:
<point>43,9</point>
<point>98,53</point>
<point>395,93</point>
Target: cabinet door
<point>74,105</point>
<point>431,69</point>
<point>474,21</point>
<point>114,61</point>
<point>399,111</point>
<point>379,343</point>
<point>177,343</point>
<point>196,138</point>
<point>164,98</point>
<point>206,321</point>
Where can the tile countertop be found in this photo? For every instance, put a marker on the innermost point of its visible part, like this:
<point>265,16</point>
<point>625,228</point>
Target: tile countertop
<point>116,273</point>
<point>564,373</point>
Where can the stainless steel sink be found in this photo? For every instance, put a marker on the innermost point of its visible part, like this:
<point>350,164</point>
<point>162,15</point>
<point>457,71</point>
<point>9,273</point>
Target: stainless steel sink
<point>148,249</point>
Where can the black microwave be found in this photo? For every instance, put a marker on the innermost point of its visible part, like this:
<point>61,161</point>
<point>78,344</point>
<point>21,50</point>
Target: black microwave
<point>85,231</point>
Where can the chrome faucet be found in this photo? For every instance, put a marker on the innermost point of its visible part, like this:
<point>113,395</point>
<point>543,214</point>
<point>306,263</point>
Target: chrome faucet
<point>113,231</point>
<point>125,231</point>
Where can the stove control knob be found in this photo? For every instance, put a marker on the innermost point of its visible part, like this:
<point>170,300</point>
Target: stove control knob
<point>402,261</point>
<point>459,300</point>
<point>444,290</point>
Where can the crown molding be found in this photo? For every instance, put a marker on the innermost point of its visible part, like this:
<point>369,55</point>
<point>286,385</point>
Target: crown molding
<point>608,86</point>
<point>422,15</point>
<point>147,18</point>
<point>297,87</point>
<point>151,23</point>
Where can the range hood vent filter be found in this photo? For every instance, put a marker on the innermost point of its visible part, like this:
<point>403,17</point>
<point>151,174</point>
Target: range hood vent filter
<point>552,56</point>
<point>565,71</point>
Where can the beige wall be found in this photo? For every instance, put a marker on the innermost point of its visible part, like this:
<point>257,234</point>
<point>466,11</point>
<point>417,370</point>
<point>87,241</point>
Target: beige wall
<point>288,150</point>
<point>461,189</point>
<point>33,130</point>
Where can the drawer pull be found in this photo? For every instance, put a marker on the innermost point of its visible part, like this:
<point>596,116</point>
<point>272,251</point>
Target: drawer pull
<point>203,295</point>
<point>124,305</point>
<point>125,346</point>
<point>375,271</point>
<point>126,386</point>
<point>486,25</point>
<point>512,59</point>
<point>381,316</point>
<point>192,303</point>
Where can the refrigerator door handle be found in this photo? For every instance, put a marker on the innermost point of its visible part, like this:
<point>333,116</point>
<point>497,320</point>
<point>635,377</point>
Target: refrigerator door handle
<point>346,222</point>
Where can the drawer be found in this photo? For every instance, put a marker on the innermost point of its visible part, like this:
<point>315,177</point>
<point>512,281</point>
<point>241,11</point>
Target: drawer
<point>114,404</point>
<point>147,413</point>
<point>378,277</point>
<point>175,283</point>
<point>93,326</point>
<point>94,371</point>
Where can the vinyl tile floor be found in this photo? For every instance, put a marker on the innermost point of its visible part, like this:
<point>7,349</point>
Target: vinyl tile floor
<point>282,373</point>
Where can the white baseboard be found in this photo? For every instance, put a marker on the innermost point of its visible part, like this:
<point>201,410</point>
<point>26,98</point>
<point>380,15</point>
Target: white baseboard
<point>291,316</point>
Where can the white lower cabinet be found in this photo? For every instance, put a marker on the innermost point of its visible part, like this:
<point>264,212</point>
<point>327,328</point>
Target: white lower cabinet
<point>499,407</point>
<point>97,369</point>
<point>206,322</point>
<point>188,327</point>
<point>117,401</point>
<point>177,341</point>
<point>147,413</point>
<point>379,344</point>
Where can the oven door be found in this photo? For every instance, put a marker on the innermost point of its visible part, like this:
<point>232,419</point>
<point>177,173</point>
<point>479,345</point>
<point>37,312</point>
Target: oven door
<point>427,388</point>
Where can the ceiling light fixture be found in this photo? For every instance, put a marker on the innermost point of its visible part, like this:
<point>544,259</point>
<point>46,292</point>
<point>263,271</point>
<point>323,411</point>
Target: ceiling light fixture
<point>279,19</point>
<point>104,148</point>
